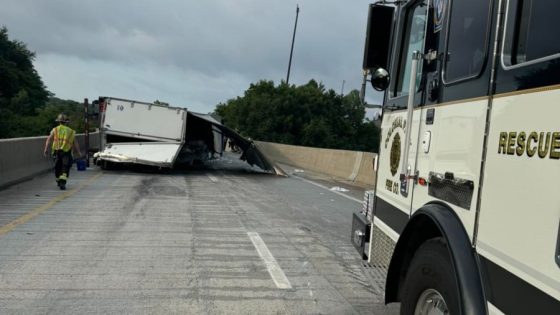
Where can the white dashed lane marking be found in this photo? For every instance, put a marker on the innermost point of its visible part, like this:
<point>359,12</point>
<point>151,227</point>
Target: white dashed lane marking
<point>272,266</point>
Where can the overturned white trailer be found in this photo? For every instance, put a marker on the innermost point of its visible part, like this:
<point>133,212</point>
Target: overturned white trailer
<point>159,135</point>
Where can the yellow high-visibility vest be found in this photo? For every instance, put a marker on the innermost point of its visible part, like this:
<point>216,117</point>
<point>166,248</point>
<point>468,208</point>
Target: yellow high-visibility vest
<point>63,138</point>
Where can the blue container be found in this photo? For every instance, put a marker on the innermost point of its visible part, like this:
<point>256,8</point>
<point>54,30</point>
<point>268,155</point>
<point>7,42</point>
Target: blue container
<point>81,165</point>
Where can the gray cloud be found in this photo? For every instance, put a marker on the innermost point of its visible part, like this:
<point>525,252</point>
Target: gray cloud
<point>187,52</point>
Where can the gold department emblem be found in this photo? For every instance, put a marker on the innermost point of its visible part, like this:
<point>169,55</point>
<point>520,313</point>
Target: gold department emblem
<point>398,126</point>
<point>395,156</point>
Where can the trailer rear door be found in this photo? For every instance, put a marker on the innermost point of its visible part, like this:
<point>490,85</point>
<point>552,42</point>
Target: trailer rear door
<point>161,154</point>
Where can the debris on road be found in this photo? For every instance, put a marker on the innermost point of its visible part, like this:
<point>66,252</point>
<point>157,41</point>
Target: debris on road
<point>336,188</point>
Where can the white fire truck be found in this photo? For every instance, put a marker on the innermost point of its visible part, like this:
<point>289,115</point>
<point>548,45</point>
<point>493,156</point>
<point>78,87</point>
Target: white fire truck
<point>465,217</point>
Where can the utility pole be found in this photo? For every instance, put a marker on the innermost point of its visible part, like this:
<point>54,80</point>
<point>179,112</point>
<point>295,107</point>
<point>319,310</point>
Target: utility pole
<point>292,50</point>
<point>342,89</point>
<point>86,127</point>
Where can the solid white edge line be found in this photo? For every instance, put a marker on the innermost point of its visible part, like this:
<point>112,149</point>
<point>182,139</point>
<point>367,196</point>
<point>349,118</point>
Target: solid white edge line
<point>380,224</point>
<point>326,188</point>
<point>272,266</point>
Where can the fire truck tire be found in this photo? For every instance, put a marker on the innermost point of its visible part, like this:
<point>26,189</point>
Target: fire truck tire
<point>430,285</point>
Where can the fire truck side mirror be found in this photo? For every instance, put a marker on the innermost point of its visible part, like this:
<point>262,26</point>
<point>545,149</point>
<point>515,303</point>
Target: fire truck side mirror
<point>378,37</point>
<point>380,79</point>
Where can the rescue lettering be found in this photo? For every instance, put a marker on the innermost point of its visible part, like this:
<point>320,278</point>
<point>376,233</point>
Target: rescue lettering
<point>543,144</point>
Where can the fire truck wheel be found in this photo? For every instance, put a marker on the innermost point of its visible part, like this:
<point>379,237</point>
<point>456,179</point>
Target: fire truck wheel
<point>430,286</point>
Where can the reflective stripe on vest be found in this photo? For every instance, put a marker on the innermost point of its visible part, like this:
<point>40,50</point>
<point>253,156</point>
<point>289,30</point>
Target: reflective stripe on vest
<point>63,138</point>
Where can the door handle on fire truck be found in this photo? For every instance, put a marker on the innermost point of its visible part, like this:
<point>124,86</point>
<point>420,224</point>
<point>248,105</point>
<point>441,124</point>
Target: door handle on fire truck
<point>414,177</point>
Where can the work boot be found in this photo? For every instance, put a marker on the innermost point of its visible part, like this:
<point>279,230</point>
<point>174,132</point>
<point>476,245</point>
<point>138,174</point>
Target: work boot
<point>62,181</point>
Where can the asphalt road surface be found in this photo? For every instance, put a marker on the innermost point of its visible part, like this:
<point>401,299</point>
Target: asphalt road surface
<point>220,240</point>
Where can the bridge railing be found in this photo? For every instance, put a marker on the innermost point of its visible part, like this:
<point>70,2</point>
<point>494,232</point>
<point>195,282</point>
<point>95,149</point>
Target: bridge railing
<point>22,158</point>
<point>353,166</point>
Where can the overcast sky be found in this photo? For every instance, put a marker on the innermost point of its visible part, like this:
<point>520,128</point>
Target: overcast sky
<point>188,53</point>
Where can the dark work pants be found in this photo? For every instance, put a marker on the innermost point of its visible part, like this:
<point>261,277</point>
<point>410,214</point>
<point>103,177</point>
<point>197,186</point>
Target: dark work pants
<point>63,163</point>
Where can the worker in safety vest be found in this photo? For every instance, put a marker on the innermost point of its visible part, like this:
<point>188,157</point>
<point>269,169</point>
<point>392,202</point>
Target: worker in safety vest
<point>62,138</point>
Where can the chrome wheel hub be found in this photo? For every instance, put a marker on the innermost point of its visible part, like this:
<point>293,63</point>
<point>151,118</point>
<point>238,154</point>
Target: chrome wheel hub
<point>431,302</point>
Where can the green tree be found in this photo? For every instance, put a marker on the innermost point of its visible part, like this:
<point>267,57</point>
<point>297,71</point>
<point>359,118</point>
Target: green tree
<point>22,91</point>
<point>306,115</point>
<point>44,120</point>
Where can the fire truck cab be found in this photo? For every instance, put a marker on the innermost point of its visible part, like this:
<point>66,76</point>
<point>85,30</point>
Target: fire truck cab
<point>465,217</point>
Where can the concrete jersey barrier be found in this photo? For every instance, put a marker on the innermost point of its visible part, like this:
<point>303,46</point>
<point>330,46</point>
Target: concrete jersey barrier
<point>353,166</point>
<point>22,158</point>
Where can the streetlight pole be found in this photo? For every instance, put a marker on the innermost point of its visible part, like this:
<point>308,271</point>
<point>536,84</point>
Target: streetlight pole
<point>86,127</point>
<point>292,50</point>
